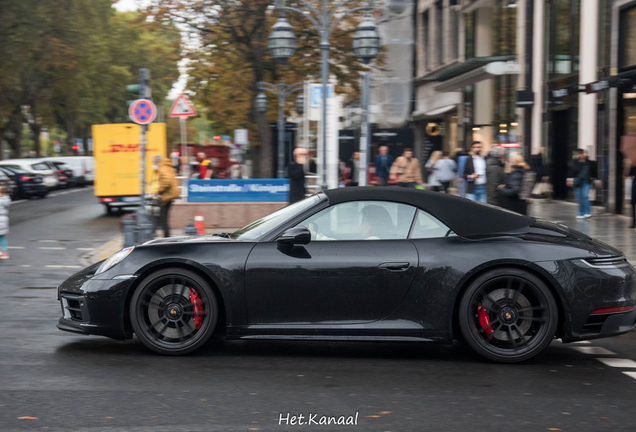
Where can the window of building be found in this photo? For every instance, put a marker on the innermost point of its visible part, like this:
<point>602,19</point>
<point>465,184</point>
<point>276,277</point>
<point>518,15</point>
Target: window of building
<point>439,15</point>
<point>627,39</point>
<point>564,22</point>
<point>469,27</point>
<point>426,51</point>
<point>454,36</point>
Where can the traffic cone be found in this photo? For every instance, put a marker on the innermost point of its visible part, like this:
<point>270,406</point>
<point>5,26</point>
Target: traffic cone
<point>198,222</point>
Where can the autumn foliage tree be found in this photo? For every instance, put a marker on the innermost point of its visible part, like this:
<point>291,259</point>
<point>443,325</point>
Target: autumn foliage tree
<point>228,56</point>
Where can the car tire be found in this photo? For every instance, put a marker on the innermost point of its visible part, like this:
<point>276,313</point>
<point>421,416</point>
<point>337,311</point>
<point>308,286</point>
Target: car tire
<point>508,315</point>
<point>43,194</point>
<point>173,311</point>
<point>109,210</point>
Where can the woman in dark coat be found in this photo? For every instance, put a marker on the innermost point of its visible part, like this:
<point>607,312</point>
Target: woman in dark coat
<point>509,192</point>
<point>296,174</point>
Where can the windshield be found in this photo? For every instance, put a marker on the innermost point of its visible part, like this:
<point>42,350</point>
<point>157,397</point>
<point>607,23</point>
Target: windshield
<point>16,169</point>
<point>265,224</point>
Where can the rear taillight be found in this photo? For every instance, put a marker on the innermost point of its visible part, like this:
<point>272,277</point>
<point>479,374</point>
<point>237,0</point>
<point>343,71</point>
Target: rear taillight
<point>24,178</point>
<point>107,200</point>
<point>613,310</point>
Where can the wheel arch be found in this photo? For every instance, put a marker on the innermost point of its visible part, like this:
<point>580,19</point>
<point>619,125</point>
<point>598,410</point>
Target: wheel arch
<point>197,268</point>
<point>527,266</point>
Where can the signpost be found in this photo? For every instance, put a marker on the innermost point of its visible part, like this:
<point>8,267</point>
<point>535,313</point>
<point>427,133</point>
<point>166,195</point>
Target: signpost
<point>183,108</point>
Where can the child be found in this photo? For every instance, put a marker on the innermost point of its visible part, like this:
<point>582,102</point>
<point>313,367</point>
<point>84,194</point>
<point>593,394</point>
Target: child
<point>5,201</point>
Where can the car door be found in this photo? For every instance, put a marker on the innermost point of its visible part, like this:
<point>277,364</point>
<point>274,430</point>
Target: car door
<point>357,268</point>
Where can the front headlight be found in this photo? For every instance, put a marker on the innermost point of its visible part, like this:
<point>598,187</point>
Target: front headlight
<point>114,260</point>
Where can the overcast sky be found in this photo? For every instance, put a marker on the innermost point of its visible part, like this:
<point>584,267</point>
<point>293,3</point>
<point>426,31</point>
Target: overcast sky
<point>126,5</point>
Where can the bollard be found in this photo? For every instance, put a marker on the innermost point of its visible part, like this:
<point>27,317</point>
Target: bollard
<point>129,231</point>
<point>190,229</point>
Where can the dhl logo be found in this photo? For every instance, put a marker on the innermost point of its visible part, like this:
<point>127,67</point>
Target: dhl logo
<point>126,148</point>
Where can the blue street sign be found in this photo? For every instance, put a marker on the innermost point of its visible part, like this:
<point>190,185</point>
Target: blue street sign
<point>238,190</point>
<point>315,94</point>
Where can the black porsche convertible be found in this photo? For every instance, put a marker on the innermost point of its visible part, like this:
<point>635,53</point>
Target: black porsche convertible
<point>363,264</point>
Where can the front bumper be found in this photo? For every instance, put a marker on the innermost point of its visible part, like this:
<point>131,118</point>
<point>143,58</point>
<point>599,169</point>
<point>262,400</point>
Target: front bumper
<point>94,306</point>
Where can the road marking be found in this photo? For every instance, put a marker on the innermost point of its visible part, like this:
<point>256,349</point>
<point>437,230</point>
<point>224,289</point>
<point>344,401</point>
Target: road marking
<point>617,362</point>
<point>582,342</point>
<point>16,247</point>
<point>47,241</point>
<point>52,248</point>
<point>18,201</point>
<point>63,266</point>
<point>630,374</point>
<point>85,249</point>
<point>593,350</point>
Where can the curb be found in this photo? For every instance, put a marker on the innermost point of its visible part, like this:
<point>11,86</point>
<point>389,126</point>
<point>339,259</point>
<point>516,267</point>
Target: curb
<point>103,252</point>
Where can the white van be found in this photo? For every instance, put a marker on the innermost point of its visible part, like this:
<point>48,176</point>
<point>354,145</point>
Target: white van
<point>34,166</point>
<point>83,166</point>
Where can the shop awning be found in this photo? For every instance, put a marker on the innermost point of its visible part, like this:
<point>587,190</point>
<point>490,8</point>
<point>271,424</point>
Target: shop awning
<point>482,72</point>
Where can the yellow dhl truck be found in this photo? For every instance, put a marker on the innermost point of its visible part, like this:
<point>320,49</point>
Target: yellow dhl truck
<point>116,148</point>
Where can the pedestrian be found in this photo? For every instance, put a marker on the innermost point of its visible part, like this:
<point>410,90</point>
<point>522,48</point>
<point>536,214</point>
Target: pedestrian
<point>406,170</point>
<point>205,166</point>
<point>536,164</point>
<point>432,179</point>
<point>511,193</point>
<point>296,173</point>
<point>581,178</point>
<point>475,174</point>
<point>168,190</point>
<point>354,169</point>
<point>5,202</point>
<point>383,162</point>
<point>445,171</point>
<point>461,158</point>
<point>495,174</point>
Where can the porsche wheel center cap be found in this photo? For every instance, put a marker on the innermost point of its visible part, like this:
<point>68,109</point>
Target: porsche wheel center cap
<point>507,315</point>
<point>174,311</point>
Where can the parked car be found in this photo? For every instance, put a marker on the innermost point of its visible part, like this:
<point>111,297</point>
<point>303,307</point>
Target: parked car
<point>27,183</point>
<point>34,166</point>
<point>362,264</point>
<point>8,182</point>
<point>83,167</point>
<point>64,173</point>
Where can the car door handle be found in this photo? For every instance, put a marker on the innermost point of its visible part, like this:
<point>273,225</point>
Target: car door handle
<point>395,267</point>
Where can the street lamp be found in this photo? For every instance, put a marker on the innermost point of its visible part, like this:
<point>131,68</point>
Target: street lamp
<point>261,102</point>
<point>366,44</point>
<point>282,41</point>
<point>324,20</point>
<point>282,91</point>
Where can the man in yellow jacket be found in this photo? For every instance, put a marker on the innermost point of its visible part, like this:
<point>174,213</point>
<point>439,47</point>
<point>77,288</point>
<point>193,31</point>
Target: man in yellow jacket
<point>168,190</point>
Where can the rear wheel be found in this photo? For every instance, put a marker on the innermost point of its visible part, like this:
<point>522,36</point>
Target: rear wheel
<point>508,315</point>
<point>173,311</point>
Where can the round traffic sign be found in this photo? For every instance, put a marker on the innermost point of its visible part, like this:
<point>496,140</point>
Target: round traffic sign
<point>142,111</point>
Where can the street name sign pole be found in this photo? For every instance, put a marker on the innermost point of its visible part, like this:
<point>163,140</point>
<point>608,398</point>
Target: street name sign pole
<point>183,108</point>
<point>143,112</point>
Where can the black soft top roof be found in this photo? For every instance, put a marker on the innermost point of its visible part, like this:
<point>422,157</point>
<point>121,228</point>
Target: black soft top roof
<point>465,217</point>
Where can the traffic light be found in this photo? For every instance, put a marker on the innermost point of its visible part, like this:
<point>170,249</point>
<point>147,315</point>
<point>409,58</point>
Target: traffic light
<point>141,90</point>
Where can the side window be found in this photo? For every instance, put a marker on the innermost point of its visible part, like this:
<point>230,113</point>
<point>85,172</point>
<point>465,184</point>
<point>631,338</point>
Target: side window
<point>361,220</point>
<point>427,226</point>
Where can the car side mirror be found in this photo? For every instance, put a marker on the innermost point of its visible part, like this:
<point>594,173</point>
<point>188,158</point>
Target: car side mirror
<point>293,236</point>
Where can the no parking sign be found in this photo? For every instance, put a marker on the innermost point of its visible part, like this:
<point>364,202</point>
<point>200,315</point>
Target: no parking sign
<point>142,111</point>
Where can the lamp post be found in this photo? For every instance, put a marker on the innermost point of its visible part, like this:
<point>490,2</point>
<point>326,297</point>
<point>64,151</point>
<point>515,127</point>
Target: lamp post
<point>366,44</point>
<point>325,20</point>
<point>282,91</point>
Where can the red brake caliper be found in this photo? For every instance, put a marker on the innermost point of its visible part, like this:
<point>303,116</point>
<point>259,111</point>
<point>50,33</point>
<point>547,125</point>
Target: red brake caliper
<point>484,320</point>
<point>199,310</point>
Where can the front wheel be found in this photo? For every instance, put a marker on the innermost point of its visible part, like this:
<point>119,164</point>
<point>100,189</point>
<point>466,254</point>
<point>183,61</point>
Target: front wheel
<point>508,315</point>
<point>173,311</point>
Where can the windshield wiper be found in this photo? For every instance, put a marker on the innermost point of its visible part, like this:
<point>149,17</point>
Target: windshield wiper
<point>224,235</point>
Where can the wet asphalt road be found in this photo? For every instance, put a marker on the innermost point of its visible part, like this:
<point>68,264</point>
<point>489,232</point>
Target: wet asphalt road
<point>55,381</point>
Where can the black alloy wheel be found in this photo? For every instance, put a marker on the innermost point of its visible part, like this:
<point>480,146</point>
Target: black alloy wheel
<point>173,311</point>
<point>508,315</point>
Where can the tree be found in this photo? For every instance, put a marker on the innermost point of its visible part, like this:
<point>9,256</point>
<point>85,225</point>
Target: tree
<point>228,56</point>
